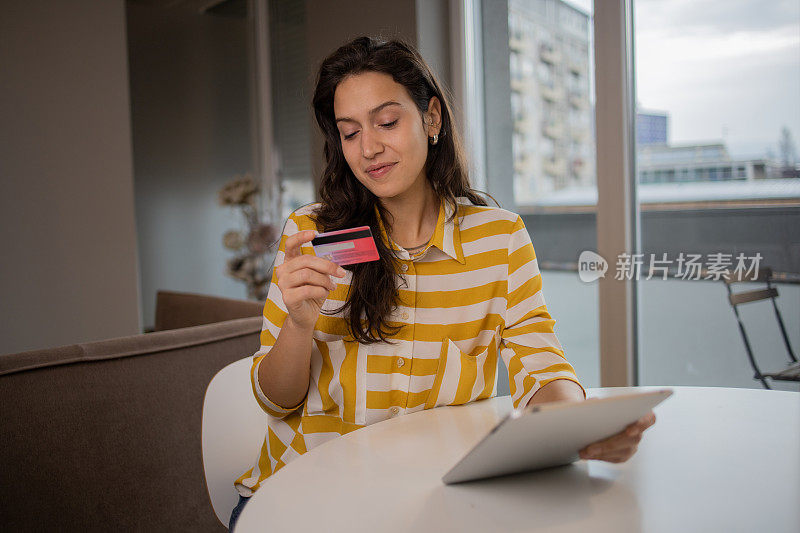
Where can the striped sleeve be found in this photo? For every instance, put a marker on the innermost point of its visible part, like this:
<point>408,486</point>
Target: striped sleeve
<point>273,317</point>
<point>529,347</point>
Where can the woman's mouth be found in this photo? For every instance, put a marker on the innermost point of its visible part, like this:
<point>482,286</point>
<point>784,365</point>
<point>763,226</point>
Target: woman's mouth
<point>381,171</point>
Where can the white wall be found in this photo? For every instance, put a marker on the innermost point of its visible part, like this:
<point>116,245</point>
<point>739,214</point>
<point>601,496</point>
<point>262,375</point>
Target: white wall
<point>191,116</point>
<point>67,233</point>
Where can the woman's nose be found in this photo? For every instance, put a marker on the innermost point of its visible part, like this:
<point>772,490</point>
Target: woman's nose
<point>370,144</point>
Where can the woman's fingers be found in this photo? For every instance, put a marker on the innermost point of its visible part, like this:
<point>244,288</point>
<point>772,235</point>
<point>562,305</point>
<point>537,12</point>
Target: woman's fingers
<point>293,243</point>
<point>323,266</point>
<point>303,278</point>
<point>622,446</point>
<point>609,451</point>
<point>306,276</point>
<point>608,447</point>
<point>618,457</point>
<point>647,420</point>
<point>305,292</point>
<point>626,437</point>
<point>307,270</point>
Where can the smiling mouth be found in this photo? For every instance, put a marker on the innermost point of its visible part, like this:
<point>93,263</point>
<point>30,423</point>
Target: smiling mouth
<point>381,171</point>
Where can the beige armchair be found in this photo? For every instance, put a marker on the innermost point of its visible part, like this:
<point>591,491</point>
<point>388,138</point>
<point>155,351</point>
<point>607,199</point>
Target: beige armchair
<point>107,435</point>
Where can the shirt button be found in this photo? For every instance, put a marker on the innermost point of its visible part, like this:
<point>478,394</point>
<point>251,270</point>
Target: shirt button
<point>401,362</point>
<point>394,410</point>
<point>404,267</point>
<point>404,315</point>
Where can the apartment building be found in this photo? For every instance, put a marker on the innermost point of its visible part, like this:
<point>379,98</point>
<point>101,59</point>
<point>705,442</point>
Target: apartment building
<point>553,142</point>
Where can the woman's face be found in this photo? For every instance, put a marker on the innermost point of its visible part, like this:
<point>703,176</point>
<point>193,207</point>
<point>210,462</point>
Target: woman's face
<point>383,136</point>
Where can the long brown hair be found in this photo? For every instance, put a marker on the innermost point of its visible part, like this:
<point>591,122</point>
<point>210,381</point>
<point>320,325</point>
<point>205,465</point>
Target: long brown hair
<point>346,203</point>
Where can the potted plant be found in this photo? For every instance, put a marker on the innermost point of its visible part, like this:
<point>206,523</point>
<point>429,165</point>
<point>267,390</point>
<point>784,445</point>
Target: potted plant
<point>255,247</point>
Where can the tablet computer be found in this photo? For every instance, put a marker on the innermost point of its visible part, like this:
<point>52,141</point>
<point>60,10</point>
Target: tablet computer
<point>551,434</point>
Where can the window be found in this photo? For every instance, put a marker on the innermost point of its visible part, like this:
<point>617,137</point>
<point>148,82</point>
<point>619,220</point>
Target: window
<point>716,167</point>
<point>724,79</point>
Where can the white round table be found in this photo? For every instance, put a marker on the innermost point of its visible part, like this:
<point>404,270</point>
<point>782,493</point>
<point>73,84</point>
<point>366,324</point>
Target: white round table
<point>717,459</point>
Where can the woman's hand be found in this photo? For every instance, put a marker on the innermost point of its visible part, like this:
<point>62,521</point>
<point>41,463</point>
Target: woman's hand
<point>304,281</point>
<point>614,449</point>
<point>620,447</point>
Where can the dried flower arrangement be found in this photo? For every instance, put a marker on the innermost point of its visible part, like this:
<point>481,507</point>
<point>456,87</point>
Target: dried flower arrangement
<point>252,263</point>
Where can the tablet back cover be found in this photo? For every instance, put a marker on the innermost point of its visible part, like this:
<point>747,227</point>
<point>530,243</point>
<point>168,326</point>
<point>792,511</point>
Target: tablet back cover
<point>551,435</point>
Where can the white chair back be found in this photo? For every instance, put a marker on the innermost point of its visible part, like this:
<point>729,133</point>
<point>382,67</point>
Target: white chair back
<point>233,431</point>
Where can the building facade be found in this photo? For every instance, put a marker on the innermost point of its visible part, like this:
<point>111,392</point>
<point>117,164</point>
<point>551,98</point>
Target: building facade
<point>553,141</point>
<point>661,163</point>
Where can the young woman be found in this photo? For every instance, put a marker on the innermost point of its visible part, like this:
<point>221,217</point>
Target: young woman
<point>457,284</point>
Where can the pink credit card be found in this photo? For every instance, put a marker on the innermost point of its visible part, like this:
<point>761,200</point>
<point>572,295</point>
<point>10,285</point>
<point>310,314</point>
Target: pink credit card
<point>346,246</point>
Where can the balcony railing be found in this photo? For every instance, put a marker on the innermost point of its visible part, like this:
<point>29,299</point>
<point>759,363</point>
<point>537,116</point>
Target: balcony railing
<point>549,55</point>
<point>554,166</point>
<point>553,129</point>
<point>578,100</point>
<point>551,93</point>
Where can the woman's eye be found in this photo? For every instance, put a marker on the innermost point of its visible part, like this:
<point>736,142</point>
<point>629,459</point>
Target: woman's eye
<point>349,136</point>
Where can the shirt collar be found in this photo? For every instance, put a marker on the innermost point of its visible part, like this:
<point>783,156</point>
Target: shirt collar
<point>446,236</point>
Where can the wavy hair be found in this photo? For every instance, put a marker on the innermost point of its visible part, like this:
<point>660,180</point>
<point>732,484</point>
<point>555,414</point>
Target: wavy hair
<point>373,293</point>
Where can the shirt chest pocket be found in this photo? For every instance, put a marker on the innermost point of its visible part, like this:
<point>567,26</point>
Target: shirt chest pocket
<point>464,377</point>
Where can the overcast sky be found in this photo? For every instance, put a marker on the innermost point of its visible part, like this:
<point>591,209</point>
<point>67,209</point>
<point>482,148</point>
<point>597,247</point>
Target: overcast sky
<point>722,69</point>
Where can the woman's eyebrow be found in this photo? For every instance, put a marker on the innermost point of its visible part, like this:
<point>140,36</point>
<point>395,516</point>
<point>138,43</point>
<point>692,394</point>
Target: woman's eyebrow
<point>372,111</point>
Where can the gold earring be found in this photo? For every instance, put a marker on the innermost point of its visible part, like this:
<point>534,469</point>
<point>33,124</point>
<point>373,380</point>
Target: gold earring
<point>435,138</point>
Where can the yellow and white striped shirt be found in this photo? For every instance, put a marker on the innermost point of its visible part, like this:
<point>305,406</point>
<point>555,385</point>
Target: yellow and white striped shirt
<point>473,295</point>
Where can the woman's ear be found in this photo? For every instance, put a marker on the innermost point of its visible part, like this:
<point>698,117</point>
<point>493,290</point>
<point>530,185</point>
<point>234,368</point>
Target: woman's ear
<point>433,117</point>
